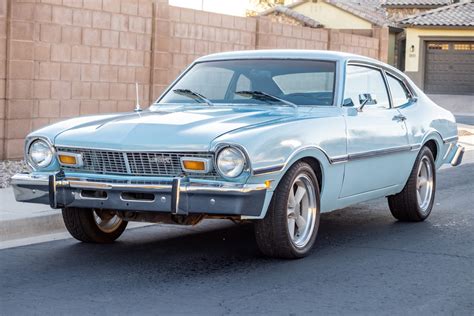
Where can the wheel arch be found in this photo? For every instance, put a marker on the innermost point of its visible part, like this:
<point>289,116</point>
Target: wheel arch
<point>434,141</point>
<point>316,158</point>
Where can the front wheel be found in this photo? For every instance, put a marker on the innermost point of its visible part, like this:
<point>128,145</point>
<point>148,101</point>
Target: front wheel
<point>416,200</point>
<point>291,224</point>
<point>93,226</point>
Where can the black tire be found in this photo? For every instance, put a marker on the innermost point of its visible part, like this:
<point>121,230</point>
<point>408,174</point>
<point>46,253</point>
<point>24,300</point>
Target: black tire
<point>404,205</point>
<point>82,225</point>
<point>272,232</point>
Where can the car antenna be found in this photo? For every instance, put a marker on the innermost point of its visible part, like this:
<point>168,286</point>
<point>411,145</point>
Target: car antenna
<point>137,106</point>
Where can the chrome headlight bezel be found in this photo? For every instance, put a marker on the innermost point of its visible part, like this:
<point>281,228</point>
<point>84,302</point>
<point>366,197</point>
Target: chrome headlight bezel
<point>32,163</point>
<point>243,167</point>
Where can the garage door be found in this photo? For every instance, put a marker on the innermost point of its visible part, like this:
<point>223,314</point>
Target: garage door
<point>449,68</point>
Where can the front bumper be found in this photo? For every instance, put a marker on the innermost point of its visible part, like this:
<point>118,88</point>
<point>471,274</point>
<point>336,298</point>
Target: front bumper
<point>177,196</point>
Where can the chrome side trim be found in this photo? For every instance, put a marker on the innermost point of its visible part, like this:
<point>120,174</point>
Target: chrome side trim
<point>381,152</point>
<point>339,159</point>
<point>270,169</point>
<point>450,139</point>
<point>343,158</point>
<point>415,146</point>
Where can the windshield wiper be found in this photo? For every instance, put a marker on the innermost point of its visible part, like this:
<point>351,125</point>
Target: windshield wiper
<point>262,96</point>
<point>193,95</point>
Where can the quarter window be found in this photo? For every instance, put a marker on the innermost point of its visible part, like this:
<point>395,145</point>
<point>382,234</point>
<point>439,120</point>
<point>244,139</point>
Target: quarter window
<point>361,80</point>
<point>400,94</point>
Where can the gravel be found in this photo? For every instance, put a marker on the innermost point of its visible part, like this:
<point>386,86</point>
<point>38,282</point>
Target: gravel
<point>8,168</point>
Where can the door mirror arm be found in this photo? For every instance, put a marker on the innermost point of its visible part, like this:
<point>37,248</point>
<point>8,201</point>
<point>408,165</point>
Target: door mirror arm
<point>366,99</point>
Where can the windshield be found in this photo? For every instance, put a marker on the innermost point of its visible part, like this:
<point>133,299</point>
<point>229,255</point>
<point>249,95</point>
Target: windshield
<point>299,82</point>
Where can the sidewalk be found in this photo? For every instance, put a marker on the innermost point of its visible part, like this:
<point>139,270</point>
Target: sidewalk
<point>21,220</point>
<point>462,105</point>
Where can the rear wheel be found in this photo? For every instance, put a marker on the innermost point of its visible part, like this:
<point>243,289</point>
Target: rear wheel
<point>94,226</point>
<point>416,200</point>
<point>291,224</point>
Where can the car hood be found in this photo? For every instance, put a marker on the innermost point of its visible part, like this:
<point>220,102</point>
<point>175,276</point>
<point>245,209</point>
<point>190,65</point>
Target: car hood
<point>170,129</point>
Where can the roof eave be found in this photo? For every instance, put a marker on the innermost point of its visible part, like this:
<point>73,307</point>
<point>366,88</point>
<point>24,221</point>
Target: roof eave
<point>412,6</point>
<point>415,26</point>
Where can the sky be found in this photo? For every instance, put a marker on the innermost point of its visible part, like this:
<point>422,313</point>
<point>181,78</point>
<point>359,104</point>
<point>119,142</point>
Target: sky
<point>232,7</point>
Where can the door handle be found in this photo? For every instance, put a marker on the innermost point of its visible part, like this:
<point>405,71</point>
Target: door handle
<point>399,118</point>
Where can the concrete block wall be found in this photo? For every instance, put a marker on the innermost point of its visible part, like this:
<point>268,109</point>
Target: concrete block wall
<point>271,35</point>
<point>353,43</point>
<point>182,35</point>
<point>64,58</point>
<point>3,73</point>
<point>73,57</point>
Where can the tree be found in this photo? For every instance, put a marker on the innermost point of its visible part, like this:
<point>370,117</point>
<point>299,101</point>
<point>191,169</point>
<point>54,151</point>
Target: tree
<point>257,6</point>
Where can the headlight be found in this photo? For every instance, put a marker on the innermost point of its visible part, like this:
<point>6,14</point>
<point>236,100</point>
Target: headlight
<point>40,154</point>
<point>231,162</point>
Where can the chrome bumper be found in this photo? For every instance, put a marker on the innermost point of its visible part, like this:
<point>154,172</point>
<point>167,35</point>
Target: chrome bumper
<point>178,195</point>
<point>454,154</point>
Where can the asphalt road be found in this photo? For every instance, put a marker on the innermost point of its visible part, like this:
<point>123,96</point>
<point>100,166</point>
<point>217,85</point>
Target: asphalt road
<point>364,263</point>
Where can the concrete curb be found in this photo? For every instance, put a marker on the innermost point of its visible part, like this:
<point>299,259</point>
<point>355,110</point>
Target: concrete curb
<point>31,227</point>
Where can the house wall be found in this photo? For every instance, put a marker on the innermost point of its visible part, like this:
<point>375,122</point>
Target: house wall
<point>67,58</point>
<point>414,61</point>
<point>391,49</point>
<point>331,16</point>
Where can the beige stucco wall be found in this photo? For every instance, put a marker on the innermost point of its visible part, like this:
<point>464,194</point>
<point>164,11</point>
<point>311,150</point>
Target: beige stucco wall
<point>413,38</point>
<point>331,16</point>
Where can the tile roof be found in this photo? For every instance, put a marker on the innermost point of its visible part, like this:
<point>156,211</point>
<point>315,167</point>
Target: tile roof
<point>369,10</point>
<point>454,15</point>
<point>303,19</point>
<point>416,3</point>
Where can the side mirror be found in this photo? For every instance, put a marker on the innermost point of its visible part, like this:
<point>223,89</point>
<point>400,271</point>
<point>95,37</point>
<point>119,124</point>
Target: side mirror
<point>347,102</point>
<point>366,99</point>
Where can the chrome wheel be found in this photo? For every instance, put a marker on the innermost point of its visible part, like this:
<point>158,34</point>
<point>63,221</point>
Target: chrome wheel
<point>301,210</point>
<point>107,221</point>
<point>424,184</point>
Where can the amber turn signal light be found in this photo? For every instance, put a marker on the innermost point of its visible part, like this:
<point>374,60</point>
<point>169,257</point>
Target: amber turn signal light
<point>194,165</point>
<point>67,160</point>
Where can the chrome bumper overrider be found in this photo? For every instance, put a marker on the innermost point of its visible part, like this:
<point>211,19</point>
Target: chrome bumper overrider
<point>178,195</point>
<point>454,154</point>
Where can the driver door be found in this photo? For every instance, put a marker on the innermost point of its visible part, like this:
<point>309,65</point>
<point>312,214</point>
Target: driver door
<point>376,135</point>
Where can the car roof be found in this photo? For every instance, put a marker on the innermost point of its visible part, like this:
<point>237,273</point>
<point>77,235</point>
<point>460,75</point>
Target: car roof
<point>285,54</point>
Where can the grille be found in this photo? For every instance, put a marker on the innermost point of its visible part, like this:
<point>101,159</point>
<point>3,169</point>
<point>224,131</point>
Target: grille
<point>166,164</point>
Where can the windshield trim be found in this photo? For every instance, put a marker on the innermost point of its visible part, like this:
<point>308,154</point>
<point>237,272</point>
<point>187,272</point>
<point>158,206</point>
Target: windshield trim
<point>336,84</point>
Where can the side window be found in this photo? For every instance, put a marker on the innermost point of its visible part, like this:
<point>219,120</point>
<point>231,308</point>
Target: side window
<point>400,94</point>
<point>360,80</point>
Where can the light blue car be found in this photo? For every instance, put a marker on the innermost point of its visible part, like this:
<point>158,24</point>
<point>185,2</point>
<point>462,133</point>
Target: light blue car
<point>272,136</point>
